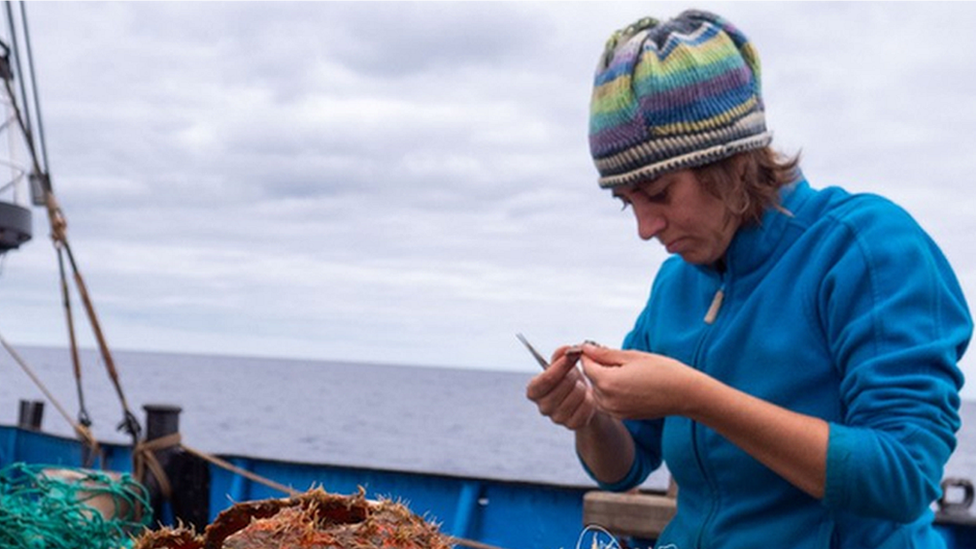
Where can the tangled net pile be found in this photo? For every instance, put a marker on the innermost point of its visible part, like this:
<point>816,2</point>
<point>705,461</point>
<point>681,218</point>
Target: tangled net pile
<point>40,509</point>
<point>313,520</point>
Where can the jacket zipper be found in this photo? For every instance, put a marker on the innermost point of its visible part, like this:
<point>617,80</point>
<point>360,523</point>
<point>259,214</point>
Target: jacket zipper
<point>710,316</point>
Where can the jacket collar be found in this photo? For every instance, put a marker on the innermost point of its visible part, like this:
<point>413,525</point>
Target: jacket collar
<point>753,245</point>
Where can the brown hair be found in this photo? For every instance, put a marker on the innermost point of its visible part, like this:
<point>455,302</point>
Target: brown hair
<point>749,182</point>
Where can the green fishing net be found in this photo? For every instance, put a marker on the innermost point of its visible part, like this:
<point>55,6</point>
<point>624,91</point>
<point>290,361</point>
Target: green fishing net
<point>54,507</point>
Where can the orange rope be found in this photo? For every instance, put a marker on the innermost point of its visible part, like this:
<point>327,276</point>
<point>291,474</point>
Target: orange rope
<point>59,234</point>
<point>243,472</point>
<point>143,456</point>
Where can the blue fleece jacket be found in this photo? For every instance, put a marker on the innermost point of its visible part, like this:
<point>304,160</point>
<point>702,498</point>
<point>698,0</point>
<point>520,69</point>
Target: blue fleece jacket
<point>845,310</point>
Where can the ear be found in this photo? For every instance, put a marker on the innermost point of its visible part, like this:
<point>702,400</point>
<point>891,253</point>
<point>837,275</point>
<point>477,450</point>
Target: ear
<point>739,170</point>
<point>740,166</point>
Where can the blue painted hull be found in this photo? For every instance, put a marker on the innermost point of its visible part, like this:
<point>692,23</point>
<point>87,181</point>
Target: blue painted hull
<point>512,515</point>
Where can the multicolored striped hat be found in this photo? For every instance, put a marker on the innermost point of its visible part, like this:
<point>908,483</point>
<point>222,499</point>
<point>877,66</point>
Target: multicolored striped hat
<point>674,95</point>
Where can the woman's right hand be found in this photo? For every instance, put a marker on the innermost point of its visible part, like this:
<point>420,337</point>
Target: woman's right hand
<point>562,392</point>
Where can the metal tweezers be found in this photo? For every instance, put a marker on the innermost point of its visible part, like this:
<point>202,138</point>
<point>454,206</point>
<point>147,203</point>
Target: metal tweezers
<point>538,357</point>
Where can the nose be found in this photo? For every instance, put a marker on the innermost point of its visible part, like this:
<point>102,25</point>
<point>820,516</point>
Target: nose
<point>650,222</point>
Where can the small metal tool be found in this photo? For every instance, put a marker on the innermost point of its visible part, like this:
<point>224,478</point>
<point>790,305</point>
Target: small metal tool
<point>538,357</point>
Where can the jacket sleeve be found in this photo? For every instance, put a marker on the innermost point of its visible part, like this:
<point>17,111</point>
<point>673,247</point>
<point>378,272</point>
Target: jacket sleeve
<point>647,456</point>
<point>897,324</point>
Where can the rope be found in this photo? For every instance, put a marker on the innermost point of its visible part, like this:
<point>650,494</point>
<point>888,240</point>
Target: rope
<point>59,236</point>
<point>129,422</point>
<point>243,472</point>
<point>82,431</point>
<point>58,223</point>
<point>83,417</point>
<point>144,455</point>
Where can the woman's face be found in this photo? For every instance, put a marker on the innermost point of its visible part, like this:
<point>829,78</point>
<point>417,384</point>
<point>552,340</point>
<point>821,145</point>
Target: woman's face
<point>686,219</point>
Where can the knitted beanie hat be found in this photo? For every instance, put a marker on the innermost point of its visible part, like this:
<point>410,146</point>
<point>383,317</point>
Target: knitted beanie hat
<point>674,95</point>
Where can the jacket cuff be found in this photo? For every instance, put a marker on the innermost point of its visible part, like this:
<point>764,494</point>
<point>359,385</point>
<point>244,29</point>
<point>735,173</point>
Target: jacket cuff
<point>630,480</point>
<point>840,449</point>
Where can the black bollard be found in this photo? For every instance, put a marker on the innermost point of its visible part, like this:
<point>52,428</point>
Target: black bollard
<point>161,420</point>
<point>188,475</point>
<point>31,414</point>
<point>23,417</point>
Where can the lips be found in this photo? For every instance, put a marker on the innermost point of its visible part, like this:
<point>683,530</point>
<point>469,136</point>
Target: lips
<point>673,246</point>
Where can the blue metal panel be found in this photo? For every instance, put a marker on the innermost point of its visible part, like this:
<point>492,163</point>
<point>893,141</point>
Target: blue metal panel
<point>465,510</point>
<point>531,516</point>
<point>8,446</point>
<point>504,514</point>
<point>20,445</point>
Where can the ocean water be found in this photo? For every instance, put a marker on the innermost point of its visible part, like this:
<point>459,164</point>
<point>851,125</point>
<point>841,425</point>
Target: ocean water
<point>441,420</point>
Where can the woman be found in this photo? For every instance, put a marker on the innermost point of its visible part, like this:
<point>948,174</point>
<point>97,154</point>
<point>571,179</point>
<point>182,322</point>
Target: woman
<point>796,363</point>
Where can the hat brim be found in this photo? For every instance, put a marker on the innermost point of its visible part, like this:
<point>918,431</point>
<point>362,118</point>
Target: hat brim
<point>690,160</point>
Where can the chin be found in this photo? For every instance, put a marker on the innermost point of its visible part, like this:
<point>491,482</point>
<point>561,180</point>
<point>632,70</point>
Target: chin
<point>697,259</point>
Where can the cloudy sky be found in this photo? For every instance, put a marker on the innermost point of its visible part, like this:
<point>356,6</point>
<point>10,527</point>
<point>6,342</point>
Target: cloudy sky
<point>410,183</point>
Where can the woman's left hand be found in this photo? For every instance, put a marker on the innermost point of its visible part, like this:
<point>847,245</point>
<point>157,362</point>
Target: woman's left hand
<point>639,385</point>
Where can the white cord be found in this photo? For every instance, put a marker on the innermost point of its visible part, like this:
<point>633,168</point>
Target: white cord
<point>596,530</point>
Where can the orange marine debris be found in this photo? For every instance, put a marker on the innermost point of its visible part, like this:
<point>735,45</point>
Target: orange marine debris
<point>313,520</point>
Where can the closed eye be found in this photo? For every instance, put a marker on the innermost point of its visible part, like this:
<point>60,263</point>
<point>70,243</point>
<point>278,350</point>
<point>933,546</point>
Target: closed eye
<point>658,196</point>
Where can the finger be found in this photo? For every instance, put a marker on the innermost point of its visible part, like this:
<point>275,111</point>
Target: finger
<point>557,397</point>
<point>605,401</point>
<point>575,408</point>
<point>582,413</point>
<point>550,403</point>
<point>567,352</point>
<point>540,386</point>
<point>543,383</point>
<point>606,356</point>
<point>563,361</point>
<point>564,402</point>
<point>595,373</point>
<point>600,379</point>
